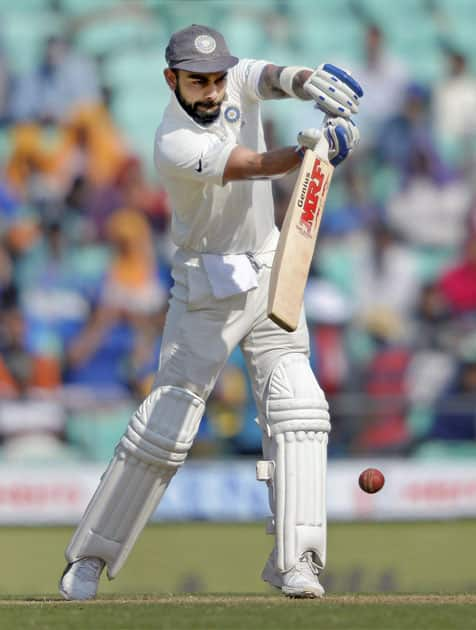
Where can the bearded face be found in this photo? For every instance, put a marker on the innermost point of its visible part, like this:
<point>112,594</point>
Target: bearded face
<point>201,95</point>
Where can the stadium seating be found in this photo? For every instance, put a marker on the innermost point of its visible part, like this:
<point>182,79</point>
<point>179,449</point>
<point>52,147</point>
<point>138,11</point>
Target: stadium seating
<point>95,431</point>
<point>23,35</point>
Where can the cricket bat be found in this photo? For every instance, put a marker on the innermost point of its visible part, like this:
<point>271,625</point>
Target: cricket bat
<point>295,249</point>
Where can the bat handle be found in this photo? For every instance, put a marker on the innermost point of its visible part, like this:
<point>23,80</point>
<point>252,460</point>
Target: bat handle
<point>322,148</point>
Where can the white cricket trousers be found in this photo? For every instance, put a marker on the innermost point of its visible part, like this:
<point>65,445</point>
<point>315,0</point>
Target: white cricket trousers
<point>201,331</point>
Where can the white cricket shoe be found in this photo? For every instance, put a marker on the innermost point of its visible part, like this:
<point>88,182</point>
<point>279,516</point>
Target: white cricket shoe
<point>300,581</point>
<point>80,579</point>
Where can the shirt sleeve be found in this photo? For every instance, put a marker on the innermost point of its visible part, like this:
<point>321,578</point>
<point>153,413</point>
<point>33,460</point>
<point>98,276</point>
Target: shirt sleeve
<point>248,73</point>
<point>201,158</point>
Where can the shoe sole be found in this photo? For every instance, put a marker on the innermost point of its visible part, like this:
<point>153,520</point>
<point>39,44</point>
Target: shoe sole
<point>273,580</point>
<point>296,594</point>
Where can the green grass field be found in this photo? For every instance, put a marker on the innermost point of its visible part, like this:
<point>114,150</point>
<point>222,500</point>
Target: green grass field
<point>394,567</point>
<point>240,612</point>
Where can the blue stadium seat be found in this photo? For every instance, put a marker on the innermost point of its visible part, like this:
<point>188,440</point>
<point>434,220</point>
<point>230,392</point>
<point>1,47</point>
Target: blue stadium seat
<point>117,33</point>
<point>79,7</point>
<point>23,36</point>
<point>132,69</point>
<point>387,13</point>
<point>25,5</point>
<point>95,432</point>
<point>463,8</point>
<point>321,45</point>
<point>244,37</point>
<point>439,450</point>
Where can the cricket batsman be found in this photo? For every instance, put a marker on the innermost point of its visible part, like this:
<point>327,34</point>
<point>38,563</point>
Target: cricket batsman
<point>212,159</point>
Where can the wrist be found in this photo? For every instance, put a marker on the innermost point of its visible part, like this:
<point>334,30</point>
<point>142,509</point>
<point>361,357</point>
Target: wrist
<point>287,79</point>
<point>301,151</point>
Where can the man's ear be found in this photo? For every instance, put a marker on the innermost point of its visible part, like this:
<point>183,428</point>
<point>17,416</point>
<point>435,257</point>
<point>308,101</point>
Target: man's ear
<point>171,78</point>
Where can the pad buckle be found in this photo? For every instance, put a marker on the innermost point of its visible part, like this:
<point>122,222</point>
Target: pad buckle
<point>264,470</point>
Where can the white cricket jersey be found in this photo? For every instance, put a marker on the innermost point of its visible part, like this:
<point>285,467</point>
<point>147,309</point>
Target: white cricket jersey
<point>208,216</point>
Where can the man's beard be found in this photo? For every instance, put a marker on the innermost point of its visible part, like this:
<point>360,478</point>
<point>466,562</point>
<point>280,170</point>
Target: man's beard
<point>200,117</point>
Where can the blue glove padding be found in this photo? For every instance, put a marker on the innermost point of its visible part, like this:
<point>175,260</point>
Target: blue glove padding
<point>345,77</point>
<point>335,91</point>
<point>342,135</point>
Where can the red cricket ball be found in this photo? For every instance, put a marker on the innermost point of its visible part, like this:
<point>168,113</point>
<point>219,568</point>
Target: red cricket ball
<point>371,480</point>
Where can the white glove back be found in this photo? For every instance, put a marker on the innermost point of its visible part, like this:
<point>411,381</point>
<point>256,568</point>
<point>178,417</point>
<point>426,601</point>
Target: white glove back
<point>335,91</point>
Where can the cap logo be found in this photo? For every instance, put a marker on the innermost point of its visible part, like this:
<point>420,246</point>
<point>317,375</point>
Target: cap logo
<point>205,44</point>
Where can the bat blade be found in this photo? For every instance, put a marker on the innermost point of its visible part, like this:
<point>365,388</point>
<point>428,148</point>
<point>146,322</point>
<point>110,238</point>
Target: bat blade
<point>297,240</point>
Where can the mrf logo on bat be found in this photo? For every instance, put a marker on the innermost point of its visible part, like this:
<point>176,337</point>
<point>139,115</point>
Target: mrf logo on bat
<point>312,192</point>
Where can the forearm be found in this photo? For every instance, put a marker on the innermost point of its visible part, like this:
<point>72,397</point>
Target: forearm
<point>270,82</point>
<point>91,337</point>
<point>246,164</point>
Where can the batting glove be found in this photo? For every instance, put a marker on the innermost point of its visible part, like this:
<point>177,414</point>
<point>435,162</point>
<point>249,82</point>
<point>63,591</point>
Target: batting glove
<point>335,91</point>
<point>342,136</point>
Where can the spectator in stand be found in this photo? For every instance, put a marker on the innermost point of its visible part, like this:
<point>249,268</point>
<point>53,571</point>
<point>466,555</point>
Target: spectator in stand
<point>128,189</point>
<point>431,208</point>
<point>386,277</point>
<point>75,221</point>
<point>54,296</point>
<point>22,371</point>
<point>8,213</point>
<point>384,79</point>
<point>455,417</point>
<point>383,427</point>
<point>454,100</point>
<point>432,363</point>
<point>62,81</point>
<point>406,129</point>
<point>29,169</point>
<point>458,283</point>
<point>8,202</point>
<point>135,192</point>
<point>132,300</point>
<point>31,415</point>
<point>131,283</point>
<point>5,89</point>
<point>6,268</point>
<point>227,417</point>
<point>90,145</point>
<point>329,314</point>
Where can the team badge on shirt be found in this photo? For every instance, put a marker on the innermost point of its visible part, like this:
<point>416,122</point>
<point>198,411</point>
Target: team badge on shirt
<point>205,44</point>
<point>232,114</point>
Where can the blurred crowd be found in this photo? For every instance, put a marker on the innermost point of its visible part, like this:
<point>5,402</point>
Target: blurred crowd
<point>85,262</point>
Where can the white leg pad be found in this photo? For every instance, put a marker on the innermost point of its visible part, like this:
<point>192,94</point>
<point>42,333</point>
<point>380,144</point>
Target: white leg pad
<point>296,426</point>
<point>154,445</point>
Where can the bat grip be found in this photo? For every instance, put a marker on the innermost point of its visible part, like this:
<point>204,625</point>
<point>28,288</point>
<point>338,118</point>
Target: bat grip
<point>322,148</point>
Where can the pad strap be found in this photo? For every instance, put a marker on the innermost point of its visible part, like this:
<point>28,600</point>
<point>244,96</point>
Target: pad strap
<point>163,428</point>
